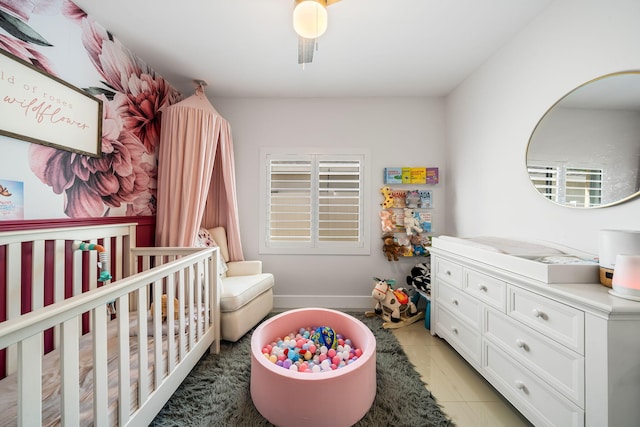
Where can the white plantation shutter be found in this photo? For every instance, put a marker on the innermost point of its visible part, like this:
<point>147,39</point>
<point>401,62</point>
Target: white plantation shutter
<point>339,201</point>
<point>290,191</point>
<point>578,187</point>
<point>583,187</point>
<point>314,203</point>
<point>545,179</point>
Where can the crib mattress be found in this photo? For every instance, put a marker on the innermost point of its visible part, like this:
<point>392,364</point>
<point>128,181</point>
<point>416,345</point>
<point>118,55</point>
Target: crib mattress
<point>51,379</point>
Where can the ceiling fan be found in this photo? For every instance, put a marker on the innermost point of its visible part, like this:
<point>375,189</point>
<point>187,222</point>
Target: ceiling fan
<point>309,22</point>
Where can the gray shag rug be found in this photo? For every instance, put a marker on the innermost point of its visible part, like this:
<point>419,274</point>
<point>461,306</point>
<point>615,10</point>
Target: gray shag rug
<point>216,392</point>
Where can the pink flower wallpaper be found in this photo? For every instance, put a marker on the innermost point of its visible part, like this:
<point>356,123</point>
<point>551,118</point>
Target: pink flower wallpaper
<point>123,181</point>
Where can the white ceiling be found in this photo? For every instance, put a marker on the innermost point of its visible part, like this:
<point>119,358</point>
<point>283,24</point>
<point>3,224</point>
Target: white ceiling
<point>247,48</point>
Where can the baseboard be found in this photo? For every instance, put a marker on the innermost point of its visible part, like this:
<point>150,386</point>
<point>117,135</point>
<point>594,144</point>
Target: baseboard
<point>323,301</point>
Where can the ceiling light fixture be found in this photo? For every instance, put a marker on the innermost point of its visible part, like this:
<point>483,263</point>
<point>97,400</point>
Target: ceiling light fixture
<point>310,21</point>
<point>310,18</point>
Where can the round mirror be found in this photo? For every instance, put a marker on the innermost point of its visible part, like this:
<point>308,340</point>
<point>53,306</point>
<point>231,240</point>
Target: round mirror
<point>585,151</point>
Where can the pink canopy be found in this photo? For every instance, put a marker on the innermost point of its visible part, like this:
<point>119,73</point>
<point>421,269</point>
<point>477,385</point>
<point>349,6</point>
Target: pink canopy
<point>196,175</point>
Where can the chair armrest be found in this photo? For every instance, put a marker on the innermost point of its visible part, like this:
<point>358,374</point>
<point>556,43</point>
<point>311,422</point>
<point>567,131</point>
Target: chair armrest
<point>244,268</point>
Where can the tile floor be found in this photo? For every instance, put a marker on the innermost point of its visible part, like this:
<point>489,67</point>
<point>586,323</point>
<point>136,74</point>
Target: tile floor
<point>466,397</point>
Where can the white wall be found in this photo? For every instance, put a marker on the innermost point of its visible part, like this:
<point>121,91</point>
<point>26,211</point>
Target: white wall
<point>397,132</point>
<point>490,118</point>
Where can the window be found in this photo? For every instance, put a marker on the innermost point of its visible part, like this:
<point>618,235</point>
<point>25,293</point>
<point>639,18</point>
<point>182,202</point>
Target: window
<point>314,202</point>
<point>578,187</point>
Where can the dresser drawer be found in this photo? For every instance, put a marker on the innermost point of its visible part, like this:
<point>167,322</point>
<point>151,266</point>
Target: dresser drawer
<point>460,304</point>
<point>486,288</point>
<point>555,363</point>
<point>553,319</point>
<point>536,399</point>
<point>463,338</point>
<point>449,272</point>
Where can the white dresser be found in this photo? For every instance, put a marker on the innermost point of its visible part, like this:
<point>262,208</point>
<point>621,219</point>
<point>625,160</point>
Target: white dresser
<point>564,354</point>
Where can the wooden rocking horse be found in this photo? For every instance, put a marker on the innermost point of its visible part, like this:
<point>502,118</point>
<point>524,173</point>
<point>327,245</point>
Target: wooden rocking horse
<point>393,305</point>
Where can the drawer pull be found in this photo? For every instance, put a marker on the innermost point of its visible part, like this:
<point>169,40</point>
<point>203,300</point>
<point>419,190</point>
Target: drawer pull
<point>454,301</point>
<point>454,330</point>
<point>539,314</point>
<point>521,344</point>
<point>448,272</point>
<point>483,288</point>
<point>520,386</point>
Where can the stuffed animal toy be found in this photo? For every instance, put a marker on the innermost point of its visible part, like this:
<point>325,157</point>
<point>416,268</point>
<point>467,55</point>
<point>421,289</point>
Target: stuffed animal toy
<point>417,245</point>
<point>411,225</point>
<point>391,249</point>
<point>420,277</point>
<point>386,221</point>
<point>413,198</point>
<point>164,307</point>
<point>394,306</point>
<point>388,199</point>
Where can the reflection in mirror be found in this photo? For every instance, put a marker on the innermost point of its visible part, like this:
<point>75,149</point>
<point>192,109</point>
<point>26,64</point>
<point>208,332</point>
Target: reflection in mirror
<point>585,151</point>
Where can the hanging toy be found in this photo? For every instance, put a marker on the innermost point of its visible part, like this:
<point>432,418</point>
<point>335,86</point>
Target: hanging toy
<point>102,256</point>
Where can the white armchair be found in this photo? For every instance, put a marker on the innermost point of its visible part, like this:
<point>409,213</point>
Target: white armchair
<point>247,292</point>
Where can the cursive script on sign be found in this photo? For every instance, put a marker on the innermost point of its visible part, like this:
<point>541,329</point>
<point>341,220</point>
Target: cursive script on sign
<point>41,111</point>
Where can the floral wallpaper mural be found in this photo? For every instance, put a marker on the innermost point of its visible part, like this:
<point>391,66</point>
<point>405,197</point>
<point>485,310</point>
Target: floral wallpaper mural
<point>123,181</point>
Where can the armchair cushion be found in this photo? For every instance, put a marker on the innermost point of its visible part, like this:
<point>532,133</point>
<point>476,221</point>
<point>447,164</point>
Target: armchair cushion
<point>244,268</point>
<point>241,290</point>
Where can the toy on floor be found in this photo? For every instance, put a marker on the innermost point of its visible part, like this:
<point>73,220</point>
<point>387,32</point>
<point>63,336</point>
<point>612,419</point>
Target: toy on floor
<point>420,277</point>
<point>393,305</point>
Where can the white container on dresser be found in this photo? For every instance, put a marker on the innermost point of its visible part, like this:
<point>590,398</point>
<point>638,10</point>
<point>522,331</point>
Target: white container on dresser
<point>564,354</point>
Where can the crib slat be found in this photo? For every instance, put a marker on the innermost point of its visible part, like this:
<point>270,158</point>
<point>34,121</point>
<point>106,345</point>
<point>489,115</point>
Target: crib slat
<point>106,244</point>
<point>116,264</point>
<point>190,298</point>
<point>37,275</point>
<point>124,374</point>
<point>143,362</point>
<point>77,272</point>
<point>58,270</point>
<point>30,381</point>
<point>100,371</point>
<point>171,351</point>
<point>58,280</point>
<point>181,317</point>
<point>206,273</point>
<point>93,271</point>
<point>158,369</point>
<point>69,370</point>
<point>199,274</point>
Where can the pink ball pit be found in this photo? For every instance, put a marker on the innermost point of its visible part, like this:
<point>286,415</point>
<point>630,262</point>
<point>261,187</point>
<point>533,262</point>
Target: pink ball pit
<point>336,398</point>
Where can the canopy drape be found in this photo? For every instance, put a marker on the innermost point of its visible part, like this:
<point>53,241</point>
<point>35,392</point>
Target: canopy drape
<point>196,175</point>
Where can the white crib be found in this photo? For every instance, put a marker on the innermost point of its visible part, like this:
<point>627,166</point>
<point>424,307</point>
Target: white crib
<point>73,347</point>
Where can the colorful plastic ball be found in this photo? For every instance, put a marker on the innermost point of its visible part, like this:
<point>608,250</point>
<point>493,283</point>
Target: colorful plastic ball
<point>325,336</point>
<point>358,352</point>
